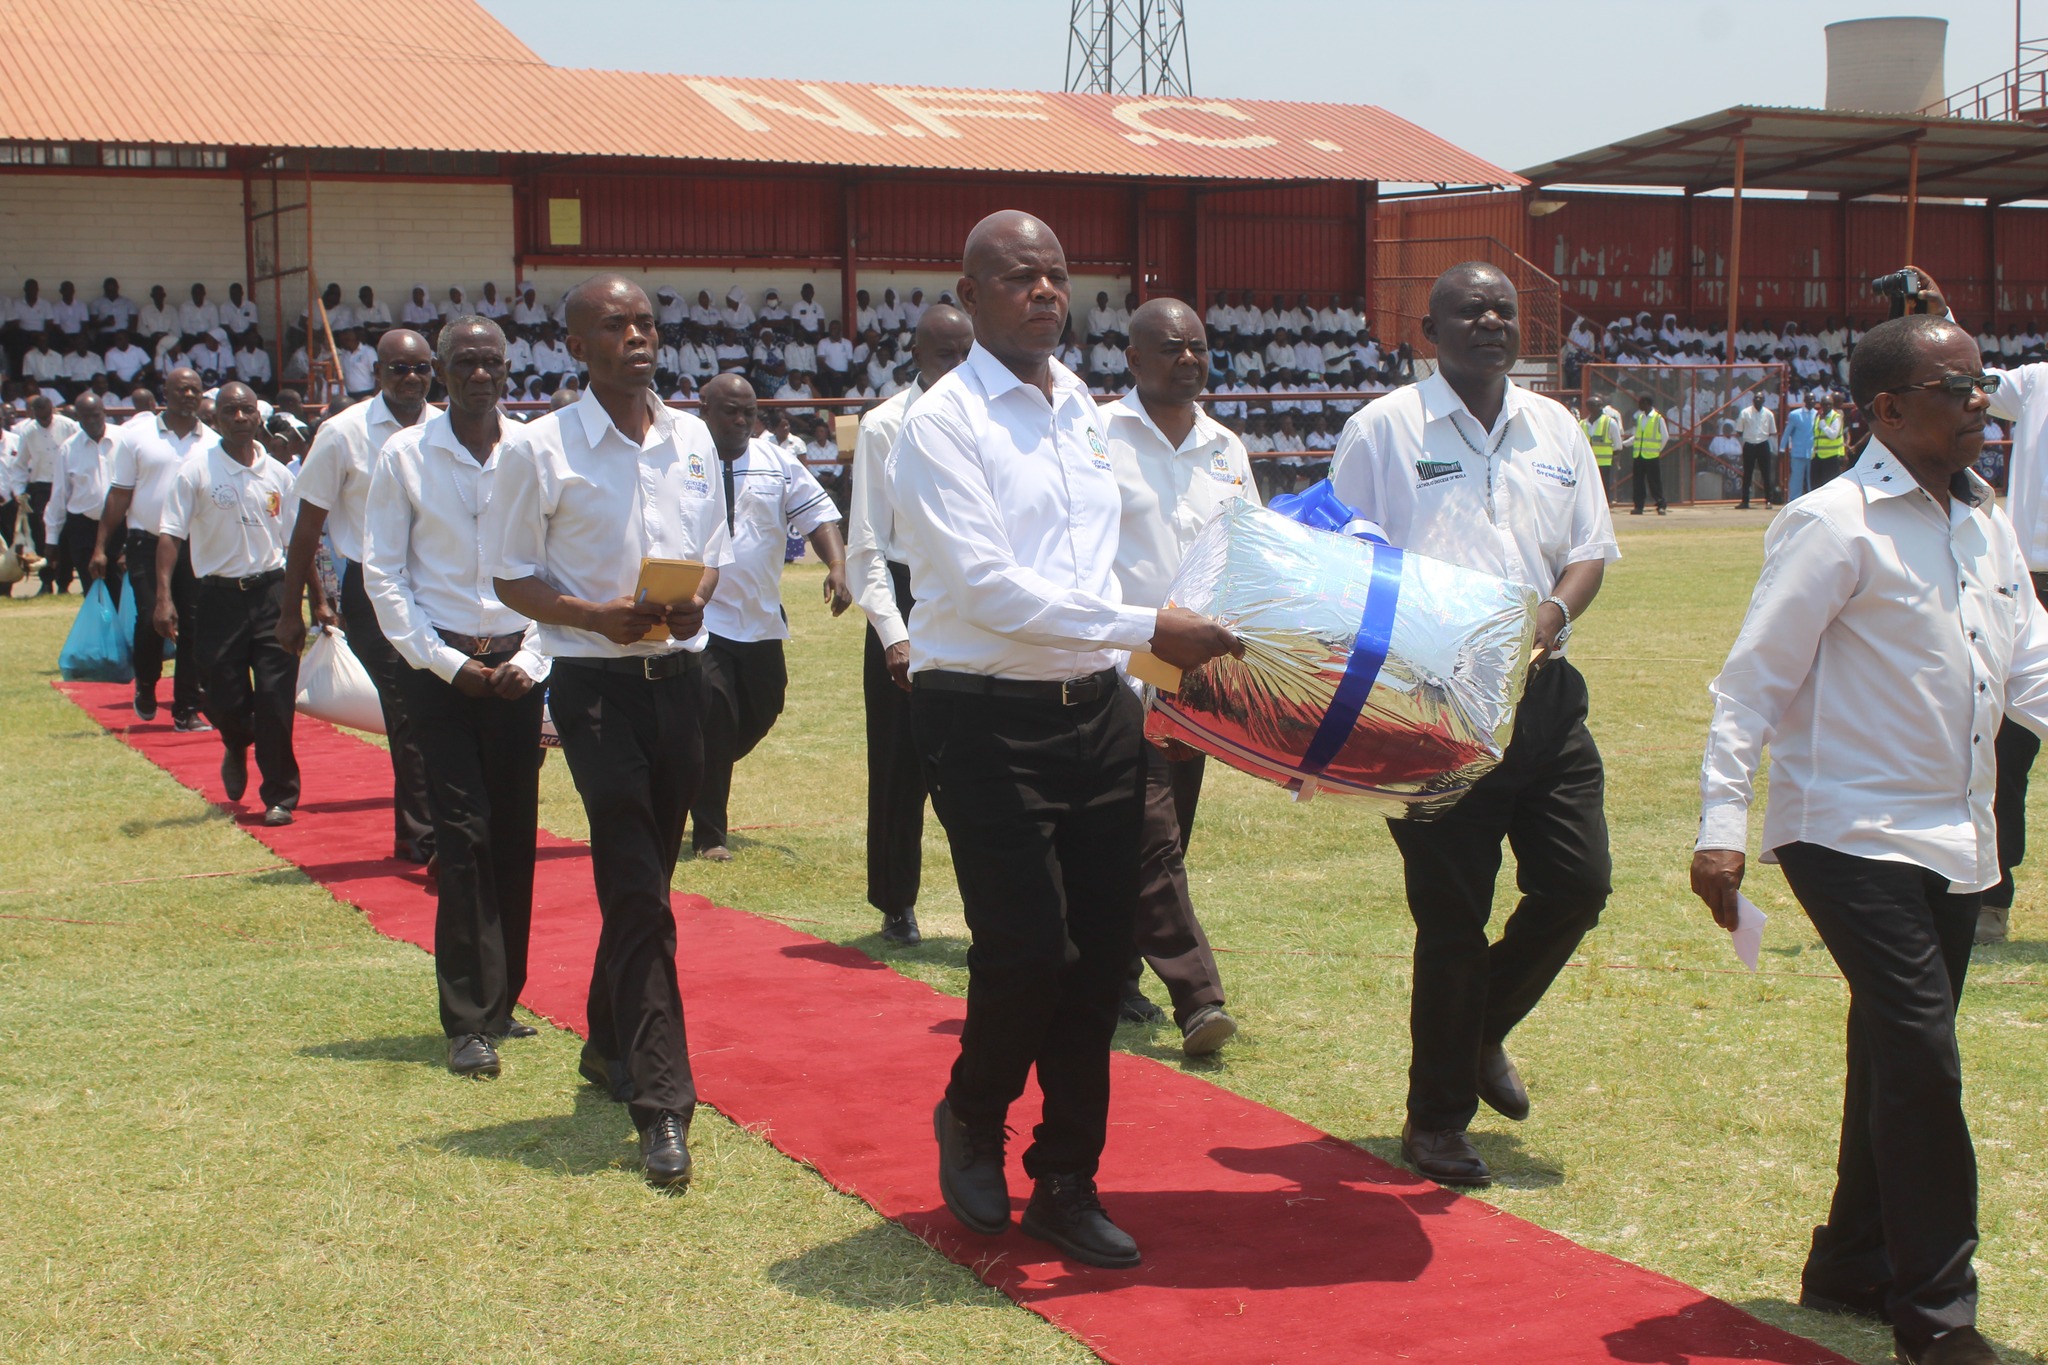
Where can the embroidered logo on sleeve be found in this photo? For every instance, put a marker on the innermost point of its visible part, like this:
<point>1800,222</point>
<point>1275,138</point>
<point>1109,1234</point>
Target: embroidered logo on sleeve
<point>1430,471</point>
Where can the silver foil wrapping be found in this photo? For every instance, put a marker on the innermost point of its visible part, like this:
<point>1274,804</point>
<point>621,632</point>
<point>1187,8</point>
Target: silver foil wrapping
<point>1441,704</point>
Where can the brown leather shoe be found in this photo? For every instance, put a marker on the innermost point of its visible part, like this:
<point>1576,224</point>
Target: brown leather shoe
<point>1500,1085</point>
<point>1445,1155</point>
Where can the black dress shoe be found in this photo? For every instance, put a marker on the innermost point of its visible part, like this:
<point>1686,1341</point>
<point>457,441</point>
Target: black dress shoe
<point>190,725</point>
<point>1137,1008</point>
<point>1206,1031</point>
<point>971,1171</point>
<point>1446,1156</point>
<point>1957,1346</point>
<point>604,1073</point>
<point>473,1055</point>
<point>1500,1085</point>
<point>1856,1303</point>
<point>515,1029</point>
<point>145,705</point>
<point>665,1151</point>
<point>234,771</point>
<point>901,927</point>
<point>1065,1211</point>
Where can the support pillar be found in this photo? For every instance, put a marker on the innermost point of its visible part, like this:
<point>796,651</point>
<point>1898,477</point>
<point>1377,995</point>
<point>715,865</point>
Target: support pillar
<point>1735,247</point>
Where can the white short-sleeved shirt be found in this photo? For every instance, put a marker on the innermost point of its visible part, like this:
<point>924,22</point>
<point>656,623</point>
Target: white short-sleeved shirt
<point>579,506</point>
<point>1522,500</point>
<point>336,475</point>
<point>1008,512</point>
<point>773,498</point>
<point>147,454</point>
<point>41,448</point>
<point>237,518</point>
<point>1169,492</point>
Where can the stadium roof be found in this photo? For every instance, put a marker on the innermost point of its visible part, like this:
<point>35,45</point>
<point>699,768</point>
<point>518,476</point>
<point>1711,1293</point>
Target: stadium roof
<point>1829,151</point>
<point>458,81</point>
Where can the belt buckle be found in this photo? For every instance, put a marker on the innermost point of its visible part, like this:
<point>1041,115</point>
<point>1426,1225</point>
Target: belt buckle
<point>647,664</point>
<point>1067,697</point>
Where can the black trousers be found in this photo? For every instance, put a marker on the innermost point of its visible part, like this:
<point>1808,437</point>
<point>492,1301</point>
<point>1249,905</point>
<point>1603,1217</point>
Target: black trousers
<point>1169,937</point>
<point>188,693</point>
<point>745,684</point>
<point>482,758</point>
<point>412,818</point>
<point>1545,799</point>
<point>1649,477</point>
<point>1904,1216</point>
<point>1757,458</point>
<point>1824,470</point>
<point>1043,805</point>
<point>2018,747</point>
<point>636,751</point>
<point>896,792</point>
<point>38,499</point>
<point>251,683</point>
<point>77,539</point>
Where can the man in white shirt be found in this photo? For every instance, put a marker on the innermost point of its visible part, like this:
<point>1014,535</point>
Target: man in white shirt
<point>835,359</point>
<point>1757,429</point>
<point>81,363</point>
<point>149,449</point>
<point>807,313</point>
<point>551,359</point>
<point>157,323</point>
<point>252,363</point>
<point>372,317</point>
<point>333,491</point>
<point>769,497</point>
<point>889,313</point>
<point>585,495</point>
<point>914,309</point>
<point>419,310</point>
<point>864,320</point>
<point>469,675</point>
<point>112,311</point>
<point>197,318</point>
<point>238,314</point>
<point>78,495</point>
<point>39,447</point>
<point>1007,510</point>
<point>1891,628</point>
<point>1176,467</point>
<point>358,364</point>
<point>231,504</point>
<point>69,313</point>
<point>43,365</point>
<point>124,359</point>
<point>1470,468</point>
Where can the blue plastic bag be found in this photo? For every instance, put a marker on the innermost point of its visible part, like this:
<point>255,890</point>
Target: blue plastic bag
<point>101,645</point>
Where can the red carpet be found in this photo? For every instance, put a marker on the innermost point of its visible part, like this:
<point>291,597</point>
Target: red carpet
<point>1265,1240</point>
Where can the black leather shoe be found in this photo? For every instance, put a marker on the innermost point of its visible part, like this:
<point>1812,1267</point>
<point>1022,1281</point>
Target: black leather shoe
<point>234,771</point>
<point>277,815</point>
<point>1500,1085</point>
<point>1446,1156</point>
<point>145,704</point>
<point>1957,1346</point>
<point>665,1152</point>
<point>604,1073</point>
<point>1856,1303</point>
<point>1065,1211</point>
<point>190,725</point>
<point>1206,1031</point>
<point>901,927</point>
<point>971,1171</point>
<point>1137,1008</point>
<point>515,1029</point>
<point>473,1055</point>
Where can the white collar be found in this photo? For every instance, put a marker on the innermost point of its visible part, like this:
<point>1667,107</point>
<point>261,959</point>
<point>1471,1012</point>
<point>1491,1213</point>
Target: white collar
<point>439,433</point>
<point>596,421</point>
<point>1883,476</point>
<point>998,379</point>
<point>1200,434</point>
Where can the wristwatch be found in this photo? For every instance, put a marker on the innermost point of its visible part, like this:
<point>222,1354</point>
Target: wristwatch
<point>1564,632</point>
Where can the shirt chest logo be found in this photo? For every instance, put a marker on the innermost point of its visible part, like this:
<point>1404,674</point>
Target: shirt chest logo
<point>1098,453</point>
<point>1436,471</point>
<point>1561,475</point>
<point>223,495</point>
<point>1220,470</point>
<point>696,479</point>
<point>273,503</point>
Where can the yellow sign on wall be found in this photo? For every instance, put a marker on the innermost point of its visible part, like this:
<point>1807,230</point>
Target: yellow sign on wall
<point>565,222</point>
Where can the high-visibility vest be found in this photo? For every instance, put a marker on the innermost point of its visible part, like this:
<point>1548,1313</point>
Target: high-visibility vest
<point>1600,435</point>
<point>1829,436</point>
<point>1647,443</point>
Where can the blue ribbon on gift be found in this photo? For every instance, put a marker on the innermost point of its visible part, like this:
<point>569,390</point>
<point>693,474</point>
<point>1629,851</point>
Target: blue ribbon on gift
<point>1368,656</point>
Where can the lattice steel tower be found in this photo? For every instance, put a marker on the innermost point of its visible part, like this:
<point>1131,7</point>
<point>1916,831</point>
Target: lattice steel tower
<point>1123,47</point>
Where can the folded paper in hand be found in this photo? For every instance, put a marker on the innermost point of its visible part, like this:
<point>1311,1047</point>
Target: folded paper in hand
<point>1367,671</point>
<point>669,582</point>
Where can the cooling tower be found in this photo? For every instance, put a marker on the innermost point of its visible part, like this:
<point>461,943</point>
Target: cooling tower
<point>1886,66</point>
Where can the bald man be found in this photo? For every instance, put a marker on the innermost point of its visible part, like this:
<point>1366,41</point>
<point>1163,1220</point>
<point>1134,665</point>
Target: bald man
<point>334,490</point>
<point>1176,467</point>
<point>1007,510</point>
<point>584,495</point>
<point>881,584</point>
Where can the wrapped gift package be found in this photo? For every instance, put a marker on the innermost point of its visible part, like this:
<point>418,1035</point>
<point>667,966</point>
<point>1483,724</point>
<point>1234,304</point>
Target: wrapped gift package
<point>1368,671</point>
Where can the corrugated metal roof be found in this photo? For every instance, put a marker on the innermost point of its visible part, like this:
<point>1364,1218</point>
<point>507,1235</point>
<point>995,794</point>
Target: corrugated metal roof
<point>1824,150</point>
<point>315,77</point>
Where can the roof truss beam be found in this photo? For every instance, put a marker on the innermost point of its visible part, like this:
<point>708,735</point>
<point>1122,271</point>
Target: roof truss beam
<point>1758,175</point>
<point>1568,172</point>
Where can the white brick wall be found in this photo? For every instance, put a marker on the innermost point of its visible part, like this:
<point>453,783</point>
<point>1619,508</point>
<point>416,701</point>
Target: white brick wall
<point>389,234</point>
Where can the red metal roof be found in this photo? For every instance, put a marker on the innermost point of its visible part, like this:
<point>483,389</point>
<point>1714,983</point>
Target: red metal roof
<point>314,77</point>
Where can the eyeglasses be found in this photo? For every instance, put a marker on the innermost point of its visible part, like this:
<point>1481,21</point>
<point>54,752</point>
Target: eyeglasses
<point>421,368</point>
<point>1955,385</point>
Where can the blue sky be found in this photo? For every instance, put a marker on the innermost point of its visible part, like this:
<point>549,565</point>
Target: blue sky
<point>1517,81</point>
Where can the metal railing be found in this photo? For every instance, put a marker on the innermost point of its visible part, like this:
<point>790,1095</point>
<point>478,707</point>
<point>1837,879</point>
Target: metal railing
<point>1405,268</point>
<point>2018,94</point>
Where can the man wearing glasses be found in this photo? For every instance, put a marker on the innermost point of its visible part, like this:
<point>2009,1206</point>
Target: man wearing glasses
<point>1891,628</point>
<point>334,485</point>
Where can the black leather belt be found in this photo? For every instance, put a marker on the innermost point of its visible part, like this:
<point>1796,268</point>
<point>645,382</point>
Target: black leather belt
<point>1071,692</point>
<point>476,646</point>
<point>248,584</point>
<point>652,667</point>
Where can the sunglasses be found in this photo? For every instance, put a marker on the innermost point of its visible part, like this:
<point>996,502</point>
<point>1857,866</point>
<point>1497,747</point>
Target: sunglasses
<point>1956,385</point>
<point>422,368</point>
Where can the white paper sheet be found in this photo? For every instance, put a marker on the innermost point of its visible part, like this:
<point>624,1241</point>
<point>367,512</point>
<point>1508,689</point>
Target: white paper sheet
<point>1749,930</point>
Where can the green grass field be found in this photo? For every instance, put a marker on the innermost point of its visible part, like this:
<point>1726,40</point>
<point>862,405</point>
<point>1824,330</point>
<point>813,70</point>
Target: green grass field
<point>225,1133</point>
